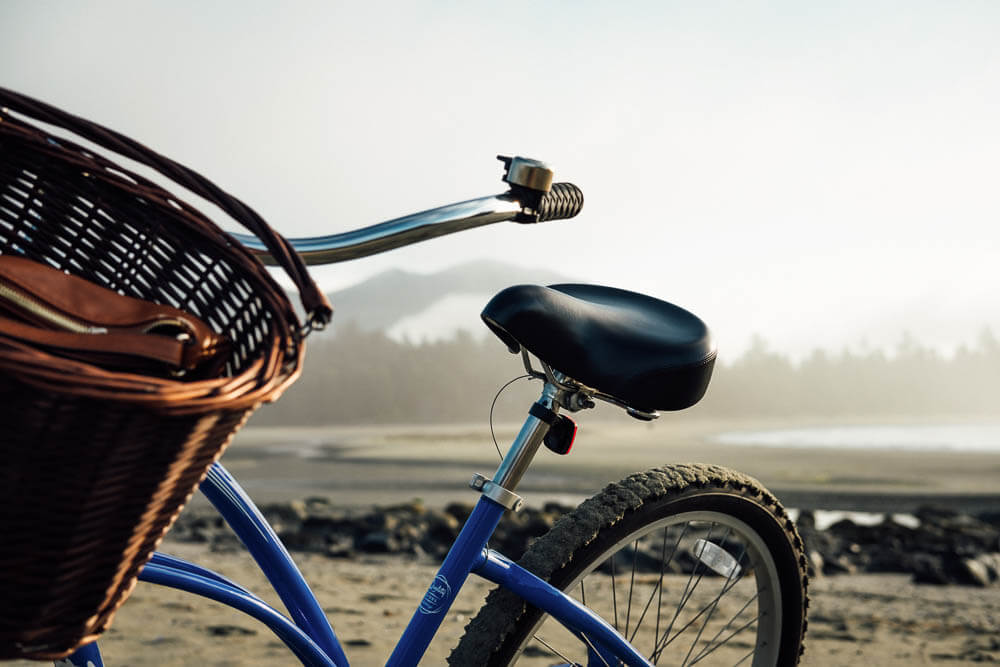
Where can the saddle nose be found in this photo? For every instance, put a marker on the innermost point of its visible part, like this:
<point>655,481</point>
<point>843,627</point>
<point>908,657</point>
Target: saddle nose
<point>647,353</point>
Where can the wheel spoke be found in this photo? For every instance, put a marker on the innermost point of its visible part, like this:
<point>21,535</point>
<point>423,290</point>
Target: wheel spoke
<point>631,585</point>
<point>552,648</point>
<point>704,609</point>
<point>657,588</point>
<point>653,594</point>
<point>712,643</point>
<point>673,552</point>
<point>725,588</point>
<point>710,608</point>
<point>685,596</point>
<point>593,649</point>
<point>714,604</point>
<point>744,658</point>
<point>734,633</point>
<point>614,596</point>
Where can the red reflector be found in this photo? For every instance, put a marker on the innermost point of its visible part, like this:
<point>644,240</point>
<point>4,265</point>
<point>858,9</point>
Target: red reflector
<point>561,435</point>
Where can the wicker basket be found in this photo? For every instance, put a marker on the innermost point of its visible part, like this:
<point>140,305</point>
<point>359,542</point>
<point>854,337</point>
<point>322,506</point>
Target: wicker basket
<point>98,464</point>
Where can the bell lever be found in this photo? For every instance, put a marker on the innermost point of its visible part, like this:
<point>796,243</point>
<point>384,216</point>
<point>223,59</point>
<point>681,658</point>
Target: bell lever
<point>529,181</point>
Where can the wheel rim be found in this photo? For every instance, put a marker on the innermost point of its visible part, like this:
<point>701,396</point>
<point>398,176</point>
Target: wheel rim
<point>724,608</point>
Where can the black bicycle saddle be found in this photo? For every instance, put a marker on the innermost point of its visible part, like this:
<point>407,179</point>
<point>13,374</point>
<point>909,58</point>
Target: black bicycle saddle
<point>647,353</point>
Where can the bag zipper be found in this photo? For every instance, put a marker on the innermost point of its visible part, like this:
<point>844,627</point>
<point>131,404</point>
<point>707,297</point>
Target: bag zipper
<point>53,317</point>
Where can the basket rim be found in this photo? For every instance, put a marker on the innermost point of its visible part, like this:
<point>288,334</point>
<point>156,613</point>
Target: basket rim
<point>262,380</point>
<point>313,299</point>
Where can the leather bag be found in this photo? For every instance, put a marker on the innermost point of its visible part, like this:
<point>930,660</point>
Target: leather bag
<point>71,317</point>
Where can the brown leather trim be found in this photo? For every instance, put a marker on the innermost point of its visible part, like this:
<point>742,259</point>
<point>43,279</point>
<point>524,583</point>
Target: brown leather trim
<point>131,323</point>
<point>112,345</point>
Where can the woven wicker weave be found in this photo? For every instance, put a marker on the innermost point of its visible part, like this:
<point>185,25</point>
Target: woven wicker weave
<point>98,464</point>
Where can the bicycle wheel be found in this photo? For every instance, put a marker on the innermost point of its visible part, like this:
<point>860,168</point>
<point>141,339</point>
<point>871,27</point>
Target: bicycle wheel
<point>694,564</point>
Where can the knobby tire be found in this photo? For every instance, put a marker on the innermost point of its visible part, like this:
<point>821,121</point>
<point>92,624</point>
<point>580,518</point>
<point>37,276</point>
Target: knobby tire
<point>677,543</point>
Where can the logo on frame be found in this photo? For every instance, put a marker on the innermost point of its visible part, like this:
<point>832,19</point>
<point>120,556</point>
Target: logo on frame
<point>436,598</point>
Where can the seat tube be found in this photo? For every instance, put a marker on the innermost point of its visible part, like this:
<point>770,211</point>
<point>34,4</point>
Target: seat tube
<point>466,550</point>
<point>525,446</point>
<point>468,547</point>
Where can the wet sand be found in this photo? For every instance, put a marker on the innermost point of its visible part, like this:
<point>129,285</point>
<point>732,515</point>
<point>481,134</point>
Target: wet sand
<point>364,466</point>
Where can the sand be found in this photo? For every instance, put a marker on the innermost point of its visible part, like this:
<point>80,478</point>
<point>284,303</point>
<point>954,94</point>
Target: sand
<point>856,619</point>
<point>879,620</point>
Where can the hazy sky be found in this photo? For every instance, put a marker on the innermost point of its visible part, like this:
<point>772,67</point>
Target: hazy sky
<point>817,175</point>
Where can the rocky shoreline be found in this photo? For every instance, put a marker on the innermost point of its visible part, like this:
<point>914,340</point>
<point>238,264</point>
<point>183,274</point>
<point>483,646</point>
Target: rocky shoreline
<point>945,547</point>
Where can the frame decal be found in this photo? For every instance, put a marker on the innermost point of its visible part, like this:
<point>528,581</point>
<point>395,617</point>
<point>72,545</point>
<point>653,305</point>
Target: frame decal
<point>437,596</point>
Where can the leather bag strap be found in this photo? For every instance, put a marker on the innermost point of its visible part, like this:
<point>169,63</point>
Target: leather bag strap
<point>150,347</point>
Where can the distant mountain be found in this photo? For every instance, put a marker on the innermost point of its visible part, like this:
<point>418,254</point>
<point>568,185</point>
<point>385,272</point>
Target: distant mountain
<point>430,305</point>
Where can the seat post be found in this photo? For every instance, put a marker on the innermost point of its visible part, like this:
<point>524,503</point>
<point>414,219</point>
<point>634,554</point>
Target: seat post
<point>525,445</point>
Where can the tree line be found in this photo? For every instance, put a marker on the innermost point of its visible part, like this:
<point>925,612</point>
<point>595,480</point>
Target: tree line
<point>365,377</point>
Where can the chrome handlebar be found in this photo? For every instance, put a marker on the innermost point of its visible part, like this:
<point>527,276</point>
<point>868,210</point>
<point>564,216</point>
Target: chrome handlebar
<point>396,233</point>
<point>532,198</point>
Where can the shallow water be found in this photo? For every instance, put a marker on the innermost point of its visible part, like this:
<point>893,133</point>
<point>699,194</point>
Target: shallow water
<point>826,518</point>
<point>979,437</point>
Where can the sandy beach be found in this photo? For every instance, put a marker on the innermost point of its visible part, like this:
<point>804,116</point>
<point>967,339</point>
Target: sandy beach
<point>854,619</point>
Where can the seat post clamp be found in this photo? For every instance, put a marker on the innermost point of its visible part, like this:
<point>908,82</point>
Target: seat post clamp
<point>496,493</point>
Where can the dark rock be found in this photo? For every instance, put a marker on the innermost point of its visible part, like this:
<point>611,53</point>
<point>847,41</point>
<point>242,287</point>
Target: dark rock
<point>317,534</point>
<point>460,511</point>
<point>839,565</point>
<point>556,509</point>
<point>951,569</point>
<point>983,570</point>
<point>290,513</point>
<point>815,564</point>
<point>961,526</point>
<point>378,542</point>
<point>947,547</point>
<point>339,546</point>
<point>935,514</point>
<point>928,569</point>
<point>819,545</point>
<point>991,517</point>
<point>226,543</point>
<point>441,526</point>
<point>229,630</point>
<point>357,642</point>
<point>517,530</point>
<point>976,572</point>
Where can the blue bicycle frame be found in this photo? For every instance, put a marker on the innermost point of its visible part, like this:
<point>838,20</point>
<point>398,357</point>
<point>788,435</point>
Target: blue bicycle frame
<point>306,630</point>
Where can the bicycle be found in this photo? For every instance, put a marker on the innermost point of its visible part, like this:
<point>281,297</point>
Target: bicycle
<point>711,542</point>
